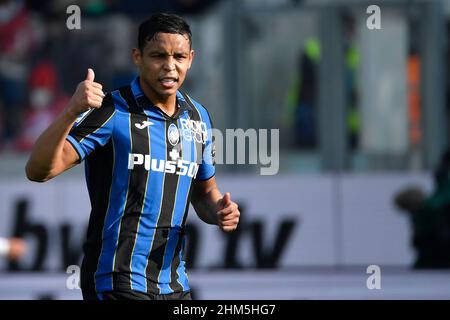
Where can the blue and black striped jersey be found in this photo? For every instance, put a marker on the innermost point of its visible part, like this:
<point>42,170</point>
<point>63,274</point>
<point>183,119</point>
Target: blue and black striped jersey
<point>140,165</point>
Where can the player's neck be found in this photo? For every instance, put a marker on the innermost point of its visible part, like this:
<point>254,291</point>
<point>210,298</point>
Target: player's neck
<point>166,103</point>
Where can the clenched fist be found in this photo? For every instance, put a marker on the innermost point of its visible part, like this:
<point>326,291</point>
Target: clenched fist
<point>17,248</point>
<point>228,213</point>
<point>89,94</point>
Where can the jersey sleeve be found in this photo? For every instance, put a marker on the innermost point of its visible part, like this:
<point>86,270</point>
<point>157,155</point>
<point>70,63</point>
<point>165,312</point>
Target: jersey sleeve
<point>93,128</point>
<point>207,168</point>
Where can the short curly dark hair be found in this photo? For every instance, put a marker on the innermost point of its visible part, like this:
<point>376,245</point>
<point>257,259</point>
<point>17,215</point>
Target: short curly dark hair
<point>162,22</point>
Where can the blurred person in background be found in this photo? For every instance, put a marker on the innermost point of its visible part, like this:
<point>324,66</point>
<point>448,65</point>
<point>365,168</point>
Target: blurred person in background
<point>301,102</point>
<point>430,218</point>
<point>12,248</point>
<point>136,238</point>
<point>16,43</point>
<point>46,101</point>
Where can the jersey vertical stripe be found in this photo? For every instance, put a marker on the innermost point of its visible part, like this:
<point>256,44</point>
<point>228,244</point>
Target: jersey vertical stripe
<point>163,225</point>
<point>143,236</point>
<point>159,152</point>
<point>98,170</point>
<point>119,190</point>
<point>175,231</point>
<point>178,265</point>
<point>195,154</point>
<point>181,270</point>
<point>135,200</point>
<point>180,209</point>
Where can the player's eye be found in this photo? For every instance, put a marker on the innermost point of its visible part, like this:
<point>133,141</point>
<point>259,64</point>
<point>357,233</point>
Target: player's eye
<point>157,55</point>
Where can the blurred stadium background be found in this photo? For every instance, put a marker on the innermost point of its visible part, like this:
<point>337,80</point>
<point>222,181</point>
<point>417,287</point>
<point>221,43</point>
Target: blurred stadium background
<point>363,116</point>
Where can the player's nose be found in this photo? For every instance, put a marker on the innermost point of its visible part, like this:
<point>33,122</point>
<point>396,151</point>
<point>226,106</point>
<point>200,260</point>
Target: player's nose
<point>169,64</point>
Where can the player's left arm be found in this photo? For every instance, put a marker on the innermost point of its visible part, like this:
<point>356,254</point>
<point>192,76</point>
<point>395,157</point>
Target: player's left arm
<point>213,207</point>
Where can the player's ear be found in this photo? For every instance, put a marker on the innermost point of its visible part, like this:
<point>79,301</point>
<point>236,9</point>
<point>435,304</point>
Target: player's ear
<point>137,56</point>
<point>191,58</point>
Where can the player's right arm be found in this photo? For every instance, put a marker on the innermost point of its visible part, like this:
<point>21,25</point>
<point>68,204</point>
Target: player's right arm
<point>52,154</point>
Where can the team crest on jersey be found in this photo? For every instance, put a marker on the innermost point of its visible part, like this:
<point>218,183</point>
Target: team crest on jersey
<point>173,134</point>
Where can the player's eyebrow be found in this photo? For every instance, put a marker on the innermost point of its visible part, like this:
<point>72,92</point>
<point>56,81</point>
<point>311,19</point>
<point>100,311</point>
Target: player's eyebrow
<point>156,51</point>
<point>165,53</point>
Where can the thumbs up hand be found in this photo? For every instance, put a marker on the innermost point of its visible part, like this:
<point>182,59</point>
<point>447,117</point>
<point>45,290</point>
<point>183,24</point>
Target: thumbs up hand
<point>228,213</point>
<point>88,95</point>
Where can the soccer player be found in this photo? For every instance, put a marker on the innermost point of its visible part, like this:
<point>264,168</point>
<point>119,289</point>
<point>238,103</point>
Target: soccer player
<point>148,152</point>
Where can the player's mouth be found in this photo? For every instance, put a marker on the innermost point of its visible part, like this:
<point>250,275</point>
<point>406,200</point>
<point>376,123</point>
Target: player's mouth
<point>168,82</point>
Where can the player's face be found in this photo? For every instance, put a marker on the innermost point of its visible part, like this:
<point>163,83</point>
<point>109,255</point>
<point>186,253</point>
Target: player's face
<point>164,62</point>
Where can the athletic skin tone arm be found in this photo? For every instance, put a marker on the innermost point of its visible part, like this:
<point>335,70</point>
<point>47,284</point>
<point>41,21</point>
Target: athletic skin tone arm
<point>212,207</point>
<point>52,154</point>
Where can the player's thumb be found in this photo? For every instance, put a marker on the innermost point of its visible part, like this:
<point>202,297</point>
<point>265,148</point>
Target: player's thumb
<point>90,75</point>
<point>226,200</point>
